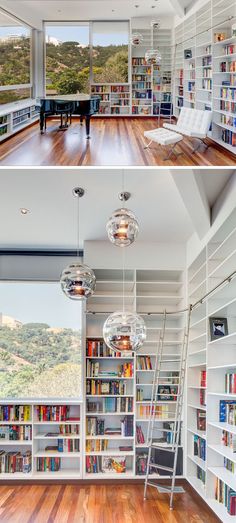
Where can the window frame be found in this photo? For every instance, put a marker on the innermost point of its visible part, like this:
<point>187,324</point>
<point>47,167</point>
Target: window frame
<point>28,85</point>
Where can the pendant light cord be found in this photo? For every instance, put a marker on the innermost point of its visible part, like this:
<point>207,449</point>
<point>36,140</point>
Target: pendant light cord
<point>123,270</point>
<point>78,226</point>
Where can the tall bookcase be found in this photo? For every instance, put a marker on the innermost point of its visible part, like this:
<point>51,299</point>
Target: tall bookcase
<point>16,116</point>
<point>146,291</point>
<point>208,363</point>
<point>210,72</point>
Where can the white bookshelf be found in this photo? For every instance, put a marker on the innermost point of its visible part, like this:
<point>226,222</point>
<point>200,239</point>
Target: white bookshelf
<point>16,116</point>
<point>210,75</point>
<point>217,357</point>
<point>39,440</point>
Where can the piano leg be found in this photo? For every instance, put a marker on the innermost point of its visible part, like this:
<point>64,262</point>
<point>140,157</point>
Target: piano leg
<point>81,120</point>
<point>87,123</point>
<point>42,122</point>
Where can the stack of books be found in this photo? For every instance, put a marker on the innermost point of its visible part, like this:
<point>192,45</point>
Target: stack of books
<point>11,462</point>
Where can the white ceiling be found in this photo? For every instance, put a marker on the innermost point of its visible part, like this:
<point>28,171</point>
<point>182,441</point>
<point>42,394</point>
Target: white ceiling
<point>51,223</point>
<point>34,11</point>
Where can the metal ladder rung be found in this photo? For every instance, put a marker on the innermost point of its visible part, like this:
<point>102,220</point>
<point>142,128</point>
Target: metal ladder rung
<point>161,467</point>
<point>159,447</point>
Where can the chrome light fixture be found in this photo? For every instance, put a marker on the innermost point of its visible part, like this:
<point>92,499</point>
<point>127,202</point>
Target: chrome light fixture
<point>122,226</point>
<point>77,280</point>
<point>136,39</point>
<point>123,331</point>
<point>153,56</point>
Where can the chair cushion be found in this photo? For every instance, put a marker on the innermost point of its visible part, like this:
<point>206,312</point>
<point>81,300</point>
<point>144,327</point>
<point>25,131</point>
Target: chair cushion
<point>163,137</point>
<point>192,122</point>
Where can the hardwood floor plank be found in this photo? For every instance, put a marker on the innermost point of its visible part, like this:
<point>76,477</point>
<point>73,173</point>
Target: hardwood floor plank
<point>114,141</point>
<point>100,503</point>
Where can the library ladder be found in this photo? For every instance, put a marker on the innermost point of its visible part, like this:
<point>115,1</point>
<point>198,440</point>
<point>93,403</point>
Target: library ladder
<point>153,425</point>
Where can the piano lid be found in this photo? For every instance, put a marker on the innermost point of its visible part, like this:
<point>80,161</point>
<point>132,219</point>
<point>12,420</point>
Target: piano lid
<point>79,97</point>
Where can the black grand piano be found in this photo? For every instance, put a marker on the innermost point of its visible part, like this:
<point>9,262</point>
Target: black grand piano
<point>82,105</point>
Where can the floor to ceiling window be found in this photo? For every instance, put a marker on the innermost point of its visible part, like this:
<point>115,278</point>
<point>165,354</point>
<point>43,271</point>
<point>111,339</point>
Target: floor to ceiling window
<point>110,52</point>
<point>40,342</point>
<point>15,60</point>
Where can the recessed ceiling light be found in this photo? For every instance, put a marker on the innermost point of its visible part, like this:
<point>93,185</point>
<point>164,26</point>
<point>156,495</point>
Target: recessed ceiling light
<point>24,211</point>
<point>136,6</point>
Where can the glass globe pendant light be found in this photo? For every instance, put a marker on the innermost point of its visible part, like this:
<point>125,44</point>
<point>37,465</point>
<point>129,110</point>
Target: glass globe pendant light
<point>77,280</point>
<point>153,56</point>
<point>123,331</point>
<point>122,226</point>
<point>136,39</point>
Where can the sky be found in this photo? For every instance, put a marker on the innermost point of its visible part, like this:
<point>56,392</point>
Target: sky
<point>40,303</point>
<point>74,33</point>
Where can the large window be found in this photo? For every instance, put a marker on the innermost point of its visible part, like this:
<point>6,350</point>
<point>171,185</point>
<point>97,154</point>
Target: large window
<point>67,58</point>
<point>72,58</point>
<point>110,52</point>
<point>15,60</point>
<point>40,342</point>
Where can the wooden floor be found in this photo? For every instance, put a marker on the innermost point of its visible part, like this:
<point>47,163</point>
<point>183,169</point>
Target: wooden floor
<point>98,504</point>
<point>114,141</point>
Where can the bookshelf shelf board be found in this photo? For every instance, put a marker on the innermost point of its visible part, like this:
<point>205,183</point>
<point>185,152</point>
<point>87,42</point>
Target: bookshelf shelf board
<point>201,407</point>
<point>194,365</point>
<point>15,475</point>
<point>225,366</point>
<point>45,454</point>
<point>220,510</point>
<point>108,378</point>
<point>71,422</point>
<point>110,475</point>
<point>158,402</point>
<point>227,477</point>
<point>226,41</point>
<point>223,394</point>
<point>199,433</point>
<point>225,56</point>
<point>199,387</point>
<point>223,426</point>
<point>109,436</point>
<point>144,370</point>
<point>15,422</point>
<point>225,451</point>
<point>198,339</point>
<point>15,443</point>
<point>112,358</point>
<point>230,339</point>
<point>193,353</point>
<point>198,485</point>
<point>109,395</point>
<point>109,413</point>
<point>198,461</point>
<point>162,420</point>
<point>198,323</point>
<point>202,266</point>
<point>111,452</point>
<point>58,436</point>
<point>59,474</point>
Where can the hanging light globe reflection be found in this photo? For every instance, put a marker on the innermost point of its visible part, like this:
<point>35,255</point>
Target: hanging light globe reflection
<point>78,281</point>
<point>153,57</point>
<point>136,39</point>
<point>124,331</point>
<point>122,227</point>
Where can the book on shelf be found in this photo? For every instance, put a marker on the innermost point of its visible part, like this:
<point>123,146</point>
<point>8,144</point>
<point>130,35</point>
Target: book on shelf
<point>97,445</point>
<point>230,377</point>
<point>139,434</point>
<point>201,420</point>
<point>228,439</point>
<point>227,92</point>
<point>95,426</point>
<point>48,464</point>
<point>202,397</point>
<point>161,411</point>
<point>226,496</point>
<point>69,429</point>
<point>227,412</point>
<point>201,474</point>
<point>203,377</point>
<point>199,447</point>
<point>229,137</point>
<point>144,363</point>
<point>64,445</point>
<point>12,462</point>
<point>141,464</point>
<point>114,464</point>
<point>126,448</point>
<point>99,387</point>
<point>15,413</point>
<point>15,433</point>
<point>94,369</point>
<point>229,465</point>
<point>93,464</point>
<point>107,405</point>
<point>98,348</point>
<point>55,413</point>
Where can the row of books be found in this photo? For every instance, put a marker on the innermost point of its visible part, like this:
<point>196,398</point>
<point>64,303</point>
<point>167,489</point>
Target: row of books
<point>207,84</point>
<point>227,412</point>
<point>97,348</point>
<point>119,89</point>
<point>105,464</point>
<point>229,465</point>
<point>99,387</point>
<point>201,474</point>
<point>230,377</point>
<point>64,445</point>
<point>16,432</point>
<point>54,413</point>
<point>207,60</point>
<point>229,49</point>
<point>94,369</point>
<point>191,86</point>
<point>15,413</point>
<point>144,363</point>
<point>96,445</point>
<point>201,420</point>
<point>228,137</point>
<point>199,447</point>
<point>142,85</point>
<point>228,439</point>
<point>228,120</point>
<point>203,377</point>
<point>207,72</point>
<point>143,77</point>
<point>69,429</point>
<point>161,411</point>
<point>3,119</point>
<point>228,67</point>
<point>226,105</point>
<point>95,426</point>
<point>202,397</point>
<point>48,464</point>
<point>226,496</point>
<point>11,462</point>
<point>139,61</point>
<point>142,95</point>
<point>3,130</point>
<point>226,92</point>
<point>111,405</point>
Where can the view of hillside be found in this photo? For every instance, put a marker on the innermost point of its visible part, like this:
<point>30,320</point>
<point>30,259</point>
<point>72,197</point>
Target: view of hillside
<point>68,66</point>
<point>37,361</point>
